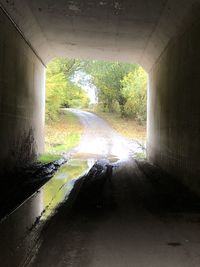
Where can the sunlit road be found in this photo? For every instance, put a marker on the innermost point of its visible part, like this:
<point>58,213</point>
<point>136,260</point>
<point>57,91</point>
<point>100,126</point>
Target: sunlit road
<point>100,140</point>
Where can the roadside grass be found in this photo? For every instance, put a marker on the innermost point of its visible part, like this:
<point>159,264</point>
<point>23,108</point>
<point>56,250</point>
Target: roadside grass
<point>127,127</point>
<point>45,158</point>
<point>61,136</point>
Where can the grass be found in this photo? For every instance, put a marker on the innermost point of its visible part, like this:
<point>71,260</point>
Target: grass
<point>45,158</point>
<point>61,136</point>
<point>127,127</point>
<point>64,135</point>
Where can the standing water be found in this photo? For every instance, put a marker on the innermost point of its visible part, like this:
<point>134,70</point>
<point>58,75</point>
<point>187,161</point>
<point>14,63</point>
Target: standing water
<point>59,187</point>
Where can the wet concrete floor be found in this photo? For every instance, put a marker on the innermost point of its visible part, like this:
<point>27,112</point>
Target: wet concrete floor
<point>130,216</point>
<point>30,205</point>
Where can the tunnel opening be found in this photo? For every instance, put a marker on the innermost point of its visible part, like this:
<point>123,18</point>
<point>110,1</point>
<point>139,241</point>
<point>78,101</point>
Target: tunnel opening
<point>95,112</point>
<point>151,210</point>
<point>79,90</point>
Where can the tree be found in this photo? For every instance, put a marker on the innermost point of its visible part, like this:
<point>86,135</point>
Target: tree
<point>121,87</point>
<point>135,92</point>
<point>107,78</point>
<point>60,90</point>
<point>55,94</point>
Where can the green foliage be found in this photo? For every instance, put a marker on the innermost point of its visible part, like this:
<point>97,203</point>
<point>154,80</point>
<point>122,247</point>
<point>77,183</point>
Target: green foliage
<point>135,92</point>
<point>60,91</point>
<point>56,85</point>
<point>75,97</point>
<point>46,158</point>
<point>140,155</point>
<point>121,88</point>
<point>107,77</point>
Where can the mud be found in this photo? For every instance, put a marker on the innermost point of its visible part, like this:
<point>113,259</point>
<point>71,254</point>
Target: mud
<point>118,215</point>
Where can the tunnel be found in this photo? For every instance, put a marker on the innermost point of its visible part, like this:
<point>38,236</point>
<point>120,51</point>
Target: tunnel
<point>160,35</point>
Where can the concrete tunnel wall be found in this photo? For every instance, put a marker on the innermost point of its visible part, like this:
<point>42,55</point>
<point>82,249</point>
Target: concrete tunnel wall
<point>173,110</point>
<point>174,106</point>
<point>22,81</point>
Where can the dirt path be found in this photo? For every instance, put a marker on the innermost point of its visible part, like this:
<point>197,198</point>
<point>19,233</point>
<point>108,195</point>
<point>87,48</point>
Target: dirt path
<point>128,225</point>
<point>100,140</point>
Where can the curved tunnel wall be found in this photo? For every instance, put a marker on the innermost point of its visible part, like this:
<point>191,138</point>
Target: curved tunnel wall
<point>22,80</point>
<point>173,111</point>
<point>174,107</point>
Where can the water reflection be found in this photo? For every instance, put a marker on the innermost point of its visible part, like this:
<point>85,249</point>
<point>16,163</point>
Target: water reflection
<point>59,187</point>
<point>98,141</point>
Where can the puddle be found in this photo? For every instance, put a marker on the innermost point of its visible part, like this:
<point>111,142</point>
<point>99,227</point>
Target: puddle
<point>58,188</point>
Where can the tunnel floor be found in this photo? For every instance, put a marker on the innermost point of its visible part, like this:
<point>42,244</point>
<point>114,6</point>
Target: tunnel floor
<point>132,216</point>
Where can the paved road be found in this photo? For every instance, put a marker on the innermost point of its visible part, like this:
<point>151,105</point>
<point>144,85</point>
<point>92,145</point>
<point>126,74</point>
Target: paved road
<point>132,224</point>
<point>100,140</point>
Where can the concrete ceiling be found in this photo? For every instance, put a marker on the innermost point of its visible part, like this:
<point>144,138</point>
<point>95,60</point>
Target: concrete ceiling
<point>124,30</point>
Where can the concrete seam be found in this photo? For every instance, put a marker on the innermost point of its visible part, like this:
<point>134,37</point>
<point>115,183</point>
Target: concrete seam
<point>22,35</point>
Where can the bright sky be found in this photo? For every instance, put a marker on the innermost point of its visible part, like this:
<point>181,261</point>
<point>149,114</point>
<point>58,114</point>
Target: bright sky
<point>84,80</point>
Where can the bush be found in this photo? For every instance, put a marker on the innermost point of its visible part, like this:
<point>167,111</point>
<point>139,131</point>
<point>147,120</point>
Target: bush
<point>135,92</point>
<point>60,91</point>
